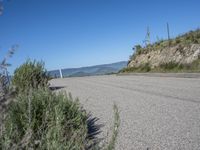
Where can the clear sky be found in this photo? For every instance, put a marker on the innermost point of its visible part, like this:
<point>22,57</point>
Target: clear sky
<point>75,33</point>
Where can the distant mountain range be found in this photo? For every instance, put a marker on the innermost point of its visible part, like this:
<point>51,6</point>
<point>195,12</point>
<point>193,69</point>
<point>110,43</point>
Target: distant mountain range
<point>89,71</point>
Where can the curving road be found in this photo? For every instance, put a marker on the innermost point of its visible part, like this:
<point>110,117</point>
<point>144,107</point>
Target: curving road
<point>156,113</point>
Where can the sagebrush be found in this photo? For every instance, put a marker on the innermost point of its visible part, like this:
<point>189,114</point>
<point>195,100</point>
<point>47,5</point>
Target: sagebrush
<point>31,74</point>
<point>45,120</point>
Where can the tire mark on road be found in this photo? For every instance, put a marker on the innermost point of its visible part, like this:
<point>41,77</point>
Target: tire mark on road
<point>140,91</point>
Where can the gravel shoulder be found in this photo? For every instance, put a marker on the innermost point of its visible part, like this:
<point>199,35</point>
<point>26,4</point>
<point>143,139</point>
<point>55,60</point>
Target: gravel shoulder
<point>156,112</point>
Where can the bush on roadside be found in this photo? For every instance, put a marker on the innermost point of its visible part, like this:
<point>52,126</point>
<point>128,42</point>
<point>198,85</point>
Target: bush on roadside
<point>42,119</point>
<point>145,68</point>
<point>142,68</point>
<point>31,74</point>
<point>169,66</point>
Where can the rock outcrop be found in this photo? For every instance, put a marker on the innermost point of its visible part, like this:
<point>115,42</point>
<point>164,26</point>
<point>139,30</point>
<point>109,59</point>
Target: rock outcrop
<point>177,54</point>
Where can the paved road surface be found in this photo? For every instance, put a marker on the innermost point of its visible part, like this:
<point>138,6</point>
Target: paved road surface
<point>157,113</point>
<point>174,75</point>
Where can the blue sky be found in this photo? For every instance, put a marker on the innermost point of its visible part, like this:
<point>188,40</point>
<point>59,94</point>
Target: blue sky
<point>75,33</point>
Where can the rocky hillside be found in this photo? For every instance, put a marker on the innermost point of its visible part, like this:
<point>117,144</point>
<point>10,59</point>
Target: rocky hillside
<point>177,54</point>
<point>182,51</point>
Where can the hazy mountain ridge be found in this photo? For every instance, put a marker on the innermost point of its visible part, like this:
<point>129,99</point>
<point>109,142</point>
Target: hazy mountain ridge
<point>90,70</point>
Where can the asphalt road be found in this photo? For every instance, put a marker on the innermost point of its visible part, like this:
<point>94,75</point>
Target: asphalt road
<point>156,113</point>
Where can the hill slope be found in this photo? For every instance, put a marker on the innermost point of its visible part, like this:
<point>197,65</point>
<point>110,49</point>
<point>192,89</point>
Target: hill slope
<point>179,54</point>
<point>91,70</point>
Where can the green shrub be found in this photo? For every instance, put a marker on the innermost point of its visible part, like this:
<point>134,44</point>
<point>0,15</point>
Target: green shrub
<point>168,66</point>
<point>42,119</point>
<point>195,41</point>
<point>195,65</point>
<point>138,49</point>
<point>142,68</point>
<point>31,74</point>
<point>177,40</point>
<point>198,35</point>
<point>145,68</point>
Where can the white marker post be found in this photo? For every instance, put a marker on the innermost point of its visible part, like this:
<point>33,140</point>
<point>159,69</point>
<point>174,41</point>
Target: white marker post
<point>61,76</point>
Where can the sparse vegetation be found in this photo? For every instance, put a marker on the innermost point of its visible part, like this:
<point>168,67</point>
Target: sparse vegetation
<point>166,67</point>
<point>176,67</point>
<point>111,144</point>
<point>181,43</point>
<point>192,37</point>
<point>142,68</point>
<point>170,66</point>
